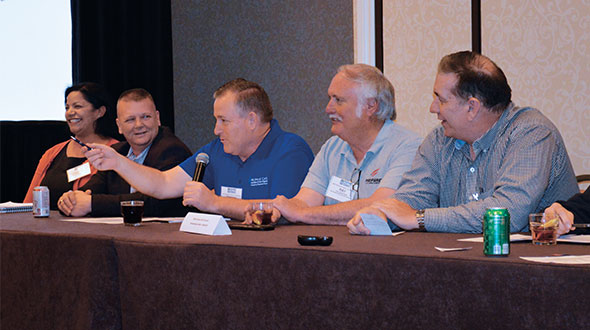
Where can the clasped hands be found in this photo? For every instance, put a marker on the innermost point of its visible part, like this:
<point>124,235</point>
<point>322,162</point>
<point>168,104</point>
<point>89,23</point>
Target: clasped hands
<point>279,203</point>
<point>399,212</point>
<point>79,203</point>
<point>75,203</point>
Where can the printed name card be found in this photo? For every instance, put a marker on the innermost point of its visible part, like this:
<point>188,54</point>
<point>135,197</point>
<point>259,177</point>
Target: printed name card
<point>376,225</point>
<point>206,224</point>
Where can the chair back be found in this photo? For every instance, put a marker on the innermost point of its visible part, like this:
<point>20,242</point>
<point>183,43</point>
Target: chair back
<point>583,181</point>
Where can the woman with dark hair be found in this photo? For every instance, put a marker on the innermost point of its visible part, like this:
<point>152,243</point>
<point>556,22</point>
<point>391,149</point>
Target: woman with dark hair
<point>91,119</point>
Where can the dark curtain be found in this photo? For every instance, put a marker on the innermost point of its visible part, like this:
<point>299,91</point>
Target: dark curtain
<point>22,144</point>
<point>121,44</point>
<point>125,44</point>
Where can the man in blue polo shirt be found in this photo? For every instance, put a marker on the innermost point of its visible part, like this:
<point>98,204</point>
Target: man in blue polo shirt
<point>252,158</point>
<point>366,158</point>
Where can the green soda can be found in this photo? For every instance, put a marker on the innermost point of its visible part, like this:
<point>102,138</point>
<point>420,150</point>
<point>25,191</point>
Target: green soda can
<point>496,232</point>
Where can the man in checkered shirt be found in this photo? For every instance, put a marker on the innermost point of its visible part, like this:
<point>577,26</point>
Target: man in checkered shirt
<point>487,152</point>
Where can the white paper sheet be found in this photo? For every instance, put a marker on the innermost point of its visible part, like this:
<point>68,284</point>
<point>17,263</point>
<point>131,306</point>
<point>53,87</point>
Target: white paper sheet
<point>570,238</point>
<point>569,260</point>
<point>573,238</point>
<point>513,238</point>
<point>442,249</point>
<point>109,221</point>
<point>119,220</point>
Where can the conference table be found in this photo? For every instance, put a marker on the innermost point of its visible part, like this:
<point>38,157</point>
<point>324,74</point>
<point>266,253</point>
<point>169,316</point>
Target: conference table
<point>59,274</point>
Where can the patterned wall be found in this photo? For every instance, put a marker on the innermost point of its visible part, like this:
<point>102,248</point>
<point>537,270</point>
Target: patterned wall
<point>542,46</point>
<point>416,35</point>
<point>291,48</point>
<point>544,49</point>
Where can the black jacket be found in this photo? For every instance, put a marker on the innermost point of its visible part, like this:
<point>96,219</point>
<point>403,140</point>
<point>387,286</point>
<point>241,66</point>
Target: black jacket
<point>579,205</point>
<point>109,189</point>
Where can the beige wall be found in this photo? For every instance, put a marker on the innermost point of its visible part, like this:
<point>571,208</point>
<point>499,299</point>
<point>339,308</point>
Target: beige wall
<point>544,49</point>
<point>416,34</point>
<point>542,46</point>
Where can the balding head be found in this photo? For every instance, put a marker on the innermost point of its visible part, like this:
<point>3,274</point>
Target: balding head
<point>479,77</point>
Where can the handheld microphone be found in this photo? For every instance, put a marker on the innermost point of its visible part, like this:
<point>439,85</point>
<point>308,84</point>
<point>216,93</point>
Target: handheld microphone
<point>202,160</point>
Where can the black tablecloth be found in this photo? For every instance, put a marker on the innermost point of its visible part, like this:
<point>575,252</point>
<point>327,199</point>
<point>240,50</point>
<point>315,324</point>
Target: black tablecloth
<point>64,275</point>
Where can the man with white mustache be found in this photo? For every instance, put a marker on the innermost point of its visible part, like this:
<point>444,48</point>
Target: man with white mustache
<point>366,158</point>
<point>146,143</point>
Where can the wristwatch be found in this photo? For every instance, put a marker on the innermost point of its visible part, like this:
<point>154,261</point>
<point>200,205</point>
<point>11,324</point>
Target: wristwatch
<point>420,220</point>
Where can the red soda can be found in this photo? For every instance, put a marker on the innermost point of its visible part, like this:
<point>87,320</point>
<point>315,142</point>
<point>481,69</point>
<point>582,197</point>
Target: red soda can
<point>41,202</point>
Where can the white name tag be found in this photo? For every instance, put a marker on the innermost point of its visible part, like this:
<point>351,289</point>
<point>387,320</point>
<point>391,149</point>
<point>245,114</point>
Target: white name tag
<point>339,189</point>
<point>231,192</point>
<point>206,224</point>
<point>77,172</point>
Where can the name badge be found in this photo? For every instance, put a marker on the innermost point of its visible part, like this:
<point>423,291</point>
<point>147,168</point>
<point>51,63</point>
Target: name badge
<point>206,224</point>
<point>77,172</point>
<point>339,189</point>
<point>231,192</point>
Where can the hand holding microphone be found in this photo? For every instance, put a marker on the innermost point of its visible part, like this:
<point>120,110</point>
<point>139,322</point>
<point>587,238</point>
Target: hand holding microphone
<point>198,195</point>
<point>202,160</point>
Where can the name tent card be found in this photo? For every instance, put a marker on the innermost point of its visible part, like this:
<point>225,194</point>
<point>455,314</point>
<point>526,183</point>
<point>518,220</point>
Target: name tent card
<point>206,224</point>
<point>376,225</point>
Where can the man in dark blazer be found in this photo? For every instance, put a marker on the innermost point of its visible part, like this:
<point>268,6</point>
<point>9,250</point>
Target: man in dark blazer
<point>574,210</point>
<point>146,143</point>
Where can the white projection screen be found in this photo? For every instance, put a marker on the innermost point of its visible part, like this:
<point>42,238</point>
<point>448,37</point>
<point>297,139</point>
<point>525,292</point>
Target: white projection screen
<point>35,58</point>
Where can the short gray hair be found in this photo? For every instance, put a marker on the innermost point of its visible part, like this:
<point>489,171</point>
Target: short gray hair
<point>249,97</point>
<point>373,85</point>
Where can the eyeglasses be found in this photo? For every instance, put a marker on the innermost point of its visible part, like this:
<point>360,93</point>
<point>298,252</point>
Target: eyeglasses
<point>355,183</point>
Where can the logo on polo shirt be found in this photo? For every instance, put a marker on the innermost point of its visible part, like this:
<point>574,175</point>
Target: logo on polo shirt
<point>262,181</point>
<point>372,179</point>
